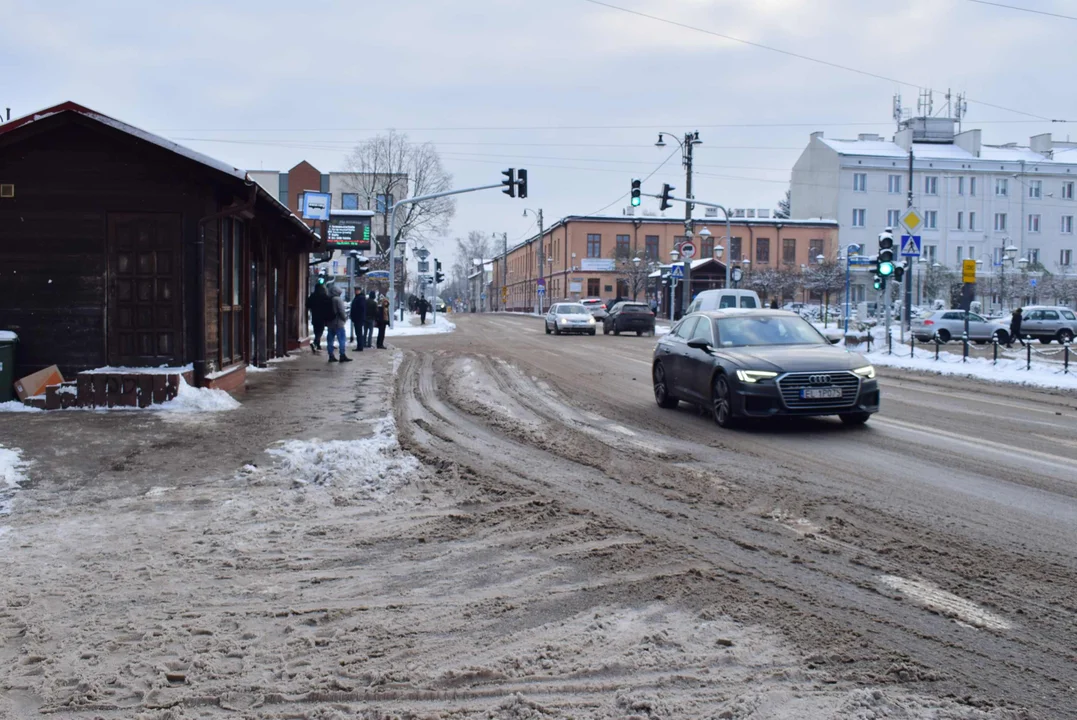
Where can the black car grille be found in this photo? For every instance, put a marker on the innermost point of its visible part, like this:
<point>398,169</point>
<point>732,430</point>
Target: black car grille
<point>791,384</point>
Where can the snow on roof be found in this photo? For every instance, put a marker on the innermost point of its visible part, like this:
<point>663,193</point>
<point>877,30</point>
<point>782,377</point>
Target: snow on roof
<point>946,151</point>
<point>351,213</point>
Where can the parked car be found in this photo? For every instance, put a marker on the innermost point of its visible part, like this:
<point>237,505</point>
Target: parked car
<point>629,317</point>
<point>950,324</point>
<point>440,305</point>
<point>596,306</point>
<point>1047,323</point>
<point>761,363</point>
<point>569,318</point>
<point>721,299</point>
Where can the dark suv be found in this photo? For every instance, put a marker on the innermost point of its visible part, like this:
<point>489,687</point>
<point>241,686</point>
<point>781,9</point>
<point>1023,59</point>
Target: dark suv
<point>628,317</point>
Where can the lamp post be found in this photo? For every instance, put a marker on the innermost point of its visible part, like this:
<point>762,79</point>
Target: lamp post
<point>691,139</point>
<point>848,267</point>
<point>538,217</point>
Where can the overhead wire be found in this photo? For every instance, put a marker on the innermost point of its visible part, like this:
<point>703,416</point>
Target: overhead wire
<point>1024,9</point>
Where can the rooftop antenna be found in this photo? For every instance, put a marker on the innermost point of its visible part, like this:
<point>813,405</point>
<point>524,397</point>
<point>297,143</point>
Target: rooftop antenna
<point>897,110</point>
<point>961,108</point>
<point>925,105</point>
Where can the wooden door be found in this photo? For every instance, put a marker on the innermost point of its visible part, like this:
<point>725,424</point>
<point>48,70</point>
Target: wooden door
<point>144,302</point>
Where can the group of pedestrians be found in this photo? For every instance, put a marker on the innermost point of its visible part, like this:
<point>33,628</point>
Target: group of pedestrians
<point>328,311</point>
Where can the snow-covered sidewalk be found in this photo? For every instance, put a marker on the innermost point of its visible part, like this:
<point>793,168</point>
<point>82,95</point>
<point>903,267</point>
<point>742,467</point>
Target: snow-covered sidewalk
<point>410,326</point>
<point>1007,370</point>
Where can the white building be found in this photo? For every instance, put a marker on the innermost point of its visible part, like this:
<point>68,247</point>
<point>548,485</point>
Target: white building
<point>975,199</point>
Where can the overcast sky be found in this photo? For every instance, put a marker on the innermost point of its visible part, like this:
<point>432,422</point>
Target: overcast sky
<point>571,90</point>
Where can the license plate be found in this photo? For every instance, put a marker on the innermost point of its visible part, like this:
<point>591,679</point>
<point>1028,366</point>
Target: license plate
<point>824,393</point>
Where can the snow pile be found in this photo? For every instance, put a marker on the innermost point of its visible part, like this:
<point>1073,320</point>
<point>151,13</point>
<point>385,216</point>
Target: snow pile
<point>16,406</point>
<point>122,370</point>
<point>11,476</point>
<point>256,369</point>
<point>198,400</point>
<point>410,326</point>
<point>374,466</point>
<point>1010,371</point>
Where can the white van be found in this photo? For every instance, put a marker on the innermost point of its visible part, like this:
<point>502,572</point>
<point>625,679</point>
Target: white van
<point>722,299</point>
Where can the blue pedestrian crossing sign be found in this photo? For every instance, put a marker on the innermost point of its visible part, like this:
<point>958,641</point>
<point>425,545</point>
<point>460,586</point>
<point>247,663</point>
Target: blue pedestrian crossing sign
<point>677,271</point>
<point>910,246</point>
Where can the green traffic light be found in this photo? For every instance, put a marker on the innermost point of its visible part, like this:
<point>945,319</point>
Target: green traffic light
<point>878,283</point>
<point>636,201</point>
<point>886,269</point>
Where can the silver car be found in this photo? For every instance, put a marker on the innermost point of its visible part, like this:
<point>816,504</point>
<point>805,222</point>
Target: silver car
<point>596,306</point>
<point>1045,323</point>
<point>569,318</point>
<point>950,325</point>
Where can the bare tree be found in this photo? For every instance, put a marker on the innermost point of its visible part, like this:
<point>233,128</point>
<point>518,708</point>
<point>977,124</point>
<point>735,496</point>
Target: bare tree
<point>634,274</point>
<point>1061,286</point>
<point>825,278</point>
<point>938,283</point>
<point>768,282</point>
<point>783,205</point>
<point>390,168</point>
<point>475,247</point>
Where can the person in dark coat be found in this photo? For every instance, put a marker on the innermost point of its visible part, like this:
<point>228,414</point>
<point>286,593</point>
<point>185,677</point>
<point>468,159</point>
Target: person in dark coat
<point>320,307</point>
<point>358,318</point>
<point>1015,328</point>
<point>382,320</point>
<point>424,308</point>
<point>371,318</point>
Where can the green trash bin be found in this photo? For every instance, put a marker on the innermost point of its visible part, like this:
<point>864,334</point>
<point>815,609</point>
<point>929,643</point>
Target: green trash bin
<point>8,341</point>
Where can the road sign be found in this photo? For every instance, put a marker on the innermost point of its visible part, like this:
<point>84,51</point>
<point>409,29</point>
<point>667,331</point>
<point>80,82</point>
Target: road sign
<point>541,282</point>
<point>688,250</point>
<point>1032,282</point>
<point>912,220</point>
<point>910,245</point>
<point>677,271</point>
<point>504,293</point>
<point>378,275</point>
<point>315,205</point>
<point>482,296</point>
<point>860,260</point>
<point>422,253</point>
<point>541,289</point>
<point>968,271</point>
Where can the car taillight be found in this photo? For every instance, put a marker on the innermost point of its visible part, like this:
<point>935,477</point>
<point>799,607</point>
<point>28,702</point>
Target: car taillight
<point>603,307</point>
<point>929,322</point>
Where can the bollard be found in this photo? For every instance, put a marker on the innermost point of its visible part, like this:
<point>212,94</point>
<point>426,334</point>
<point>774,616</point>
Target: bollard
<point>938,344</point>
<point>889,342</point>
<point>994,341</point>
<point>1066,359</point>
<point>965,347</point>
<point>912,345</point>
<point>1028,355</point>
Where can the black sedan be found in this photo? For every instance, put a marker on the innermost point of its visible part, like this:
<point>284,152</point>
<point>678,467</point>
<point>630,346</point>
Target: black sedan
<point>628,317</point>
<point>760,364</point>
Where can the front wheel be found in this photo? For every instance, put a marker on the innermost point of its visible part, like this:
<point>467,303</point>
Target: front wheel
<point>639,333</point>
<point>547,329</point>
<point>605,329</point>
<point>1064,336</point>
<point>855,418</point>
<point>556,330</point>
<point>662,395</point>
<point>1045,341</point>
<point>722,403</point>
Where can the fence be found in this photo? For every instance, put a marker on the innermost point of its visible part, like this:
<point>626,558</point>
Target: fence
<point>970,350</point>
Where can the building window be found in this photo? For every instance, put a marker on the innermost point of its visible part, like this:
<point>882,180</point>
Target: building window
<point>706,247</point>
<point>972,187</point>
<point>893,218</point>
<point>1034,256</point>
<point>1067,224</point>
<point>893,184</point>
<point>380,204</point>
<point>1067,190</point>
<point>972,220</point>
<point>734,250</point>
<point>230,324</point>
<point>1065,258</point>
<point>960,254</point>
<point>931,252</point>
<point>1002,187</point>
<point>931,185</point>
<point>960,220</point>
<point>860,182</point>
<point>593,285</point>
<point>931,220</point>
<point>859,217</point>
<point>623,246</point>
<point>651,247</point>
<point>349,201</point>
<point>299,202</point>
<point>594,245</point>
<point>1034,223</point>
<point>961,185</point>
<point>815,248</point>
<point>1000,222</point>
<point>1035,189</point>
<point>789,251</point>
<point>762,250</point>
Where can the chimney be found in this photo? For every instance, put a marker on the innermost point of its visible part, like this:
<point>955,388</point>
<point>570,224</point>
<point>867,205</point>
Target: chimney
<point>970,142</point>
<point>817,134</point>
<point>1042,144</point>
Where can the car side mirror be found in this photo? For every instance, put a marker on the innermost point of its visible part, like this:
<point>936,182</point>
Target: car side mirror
<point>699,345</point>
<point>833,335</point>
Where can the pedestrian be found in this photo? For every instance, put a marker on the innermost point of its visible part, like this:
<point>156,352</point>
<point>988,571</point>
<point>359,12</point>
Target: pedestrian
<point>382,320</point>
<point>320,307</point>
<point>371,318</point>
<point>358,317</point>
<point>1015,328</point>
<point>337,322</point>
<point>424,307</point>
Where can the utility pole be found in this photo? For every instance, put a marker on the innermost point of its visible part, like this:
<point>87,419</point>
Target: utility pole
<point>906,316</point>
<point>504,271</point>
<point>690,140</point>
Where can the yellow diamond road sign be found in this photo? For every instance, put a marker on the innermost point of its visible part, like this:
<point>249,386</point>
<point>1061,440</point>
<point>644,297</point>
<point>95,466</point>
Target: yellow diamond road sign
<point>911,220</point>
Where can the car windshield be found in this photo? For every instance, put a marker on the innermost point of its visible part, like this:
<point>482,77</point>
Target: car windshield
<point>571,310</point>
<point>767,330</point>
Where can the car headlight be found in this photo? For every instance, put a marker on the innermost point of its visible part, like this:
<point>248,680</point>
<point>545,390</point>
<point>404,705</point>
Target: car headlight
<point>591,320</point>
<point>751,376</point>
<point>867,372</point>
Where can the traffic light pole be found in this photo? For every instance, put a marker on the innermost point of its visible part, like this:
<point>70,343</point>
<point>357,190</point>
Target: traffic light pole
<point>906,319</point>
<point>392,234</point>
<point>728,230</point>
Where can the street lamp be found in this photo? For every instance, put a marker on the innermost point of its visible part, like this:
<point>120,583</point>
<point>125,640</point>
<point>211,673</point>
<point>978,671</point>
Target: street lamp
<point>691,139</point>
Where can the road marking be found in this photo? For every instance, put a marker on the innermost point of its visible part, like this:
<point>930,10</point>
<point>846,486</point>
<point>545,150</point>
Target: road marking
<point>1022,454</point>
<point>938,600</point>
<point>951,396</point>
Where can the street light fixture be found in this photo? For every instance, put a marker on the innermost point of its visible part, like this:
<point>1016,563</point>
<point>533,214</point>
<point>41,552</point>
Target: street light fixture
<point>674,255</point>
<point>705,232</point>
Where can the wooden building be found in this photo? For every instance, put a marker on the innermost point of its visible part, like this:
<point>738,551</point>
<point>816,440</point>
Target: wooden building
<point>121,248</point>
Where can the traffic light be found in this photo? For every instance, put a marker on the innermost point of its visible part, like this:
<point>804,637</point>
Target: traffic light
<point>899,273</point>
<point>666,190</point>
<point>439,277</point>
<point>509,182</point>
<point>885,261</point>
<point>521,183</point>
<point>636,193</point>
<point>362,265</point>
<point>877,283</point>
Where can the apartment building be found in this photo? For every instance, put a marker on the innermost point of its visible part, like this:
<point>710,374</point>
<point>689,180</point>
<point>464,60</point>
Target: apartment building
<point>975,199</point>
<point>590,256</point>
